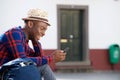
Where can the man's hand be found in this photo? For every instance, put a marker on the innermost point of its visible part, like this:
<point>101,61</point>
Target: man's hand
<point>58,56</point>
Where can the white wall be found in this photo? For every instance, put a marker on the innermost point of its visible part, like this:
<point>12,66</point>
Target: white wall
<point>104,19</point>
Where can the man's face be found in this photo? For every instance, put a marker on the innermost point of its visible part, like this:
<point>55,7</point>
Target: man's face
<point>37,30</point>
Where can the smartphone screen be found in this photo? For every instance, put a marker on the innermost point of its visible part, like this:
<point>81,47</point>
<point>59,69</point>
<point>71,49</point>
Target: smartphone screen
<point>66,49</point>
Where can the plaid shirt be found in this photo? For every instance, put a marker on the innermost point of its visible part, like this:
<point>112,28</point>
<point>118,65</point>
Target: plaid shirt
<point>13,44</point>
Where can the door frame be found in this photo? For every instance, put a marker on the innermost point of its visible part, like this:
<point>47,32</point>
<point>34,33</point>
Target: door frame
<point>85,48</point>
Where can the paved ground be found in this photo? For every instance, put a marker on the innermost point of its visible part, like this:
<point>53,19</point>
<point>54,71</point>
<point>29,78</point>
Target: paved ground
<point>89,76</point>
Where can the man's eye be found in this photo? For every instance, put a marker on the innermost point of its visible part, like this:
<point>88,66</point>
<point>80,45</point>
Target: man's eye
<point>42,28</point>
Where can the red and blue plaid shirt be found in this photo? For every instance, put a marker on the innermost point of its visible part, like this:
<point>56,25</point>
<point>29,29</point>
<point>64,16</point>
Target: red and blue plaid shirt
<point>13,44</point>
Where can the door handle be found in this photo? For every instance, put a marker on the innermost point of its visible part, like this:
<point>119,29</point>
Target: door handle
<point>71,36</point>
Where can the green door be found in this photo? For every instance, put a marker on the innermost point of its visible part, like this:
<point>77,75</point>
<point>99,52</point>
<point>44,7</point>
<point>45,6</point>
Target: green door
<point>71,33</point>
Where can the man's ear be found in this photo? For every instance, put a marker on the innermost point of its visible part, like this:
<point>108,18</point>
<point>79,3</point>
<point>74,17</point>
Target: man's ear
<point>30,24</point>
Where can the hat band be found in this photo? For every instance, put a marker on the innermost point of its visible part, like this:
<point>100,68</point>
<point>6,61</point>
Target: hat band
<point>39,18</point>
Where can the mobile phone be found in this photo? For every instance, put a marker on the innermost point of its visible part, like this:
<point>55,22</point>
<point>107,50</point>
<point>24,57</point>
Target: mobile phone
<point>66,49</point>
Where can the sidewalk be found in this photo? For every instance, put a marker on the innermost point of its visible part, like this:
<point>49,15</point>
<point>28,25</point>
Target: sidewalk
<point>98,75</point>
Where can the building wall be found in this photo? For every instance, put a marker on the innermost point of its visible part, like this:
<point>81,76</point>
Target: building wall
<point>104,25</point>
<point>99,59</point>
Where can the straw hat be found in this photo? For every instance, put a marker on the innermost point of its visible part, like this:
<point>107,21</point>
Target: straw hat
<point>37,14</point>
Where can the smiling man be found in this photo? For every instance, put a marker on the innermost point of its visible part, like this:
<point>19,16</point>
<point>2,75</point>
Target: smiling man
<point>14,43</point>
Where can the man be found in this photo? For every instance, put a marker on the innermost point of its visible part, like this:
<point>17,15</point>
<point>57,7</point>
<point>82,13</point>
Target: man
<point>14,43</point>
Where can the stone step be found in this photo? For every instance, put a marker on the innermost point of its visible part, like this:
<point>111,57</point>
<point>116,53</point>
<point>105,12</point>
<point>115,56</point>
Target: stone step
<point>80,68</point>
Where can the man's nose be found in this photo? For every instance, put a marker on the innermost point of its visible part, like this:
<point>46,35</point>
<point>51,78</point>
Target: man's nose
<point>43,33</point>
